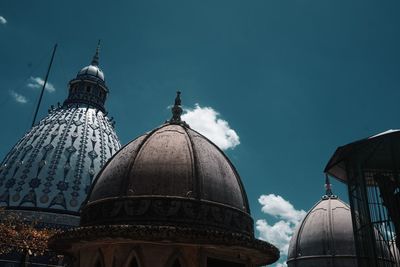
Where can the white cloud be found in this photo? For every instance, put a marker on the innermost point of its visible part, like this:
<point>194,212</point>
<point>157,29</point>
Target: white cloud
<point>206,121</point>
<point>18,97</point>
<point>37,82</point>
<point>280,208</point>
<point>3,20</point>
<point>280,232</point>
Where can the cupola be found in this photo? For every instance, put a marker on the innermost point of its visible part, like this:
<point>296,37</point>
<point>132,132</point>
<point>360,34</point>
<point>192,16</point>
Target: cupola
<point>89,86</point>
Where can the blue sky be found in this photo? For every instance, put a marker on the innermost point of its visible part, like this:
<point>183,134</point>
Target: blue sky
<point>293,78</point>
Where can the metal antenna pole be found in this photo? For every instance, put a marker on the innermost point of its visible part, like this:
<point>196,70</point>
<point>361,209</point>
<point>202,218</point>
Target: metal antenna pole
<point>44,85</point>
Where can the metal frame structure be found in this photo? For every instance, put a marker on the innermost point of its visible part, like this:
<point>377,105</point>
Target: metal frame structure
<point>371,170</point>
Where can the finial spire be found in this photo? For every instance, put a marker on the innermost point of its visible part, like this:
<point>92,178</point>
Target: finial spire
<point>328,186</point>
<point>177,112</point>
<point>178,100</point>
<point>176,109</point>
<point>95,60</point>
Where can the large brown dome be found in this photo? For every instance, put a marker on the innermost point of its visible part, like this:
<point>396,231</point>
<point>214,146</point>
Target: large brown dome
<point>170,175</point>
<point>169,188</point>
<point>171,161</point>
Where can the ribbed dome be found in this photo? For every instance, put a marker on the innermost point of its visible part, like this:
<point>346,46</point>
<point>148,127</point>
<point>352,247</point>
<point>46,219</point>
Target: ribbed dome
<point>172,176</point>
<point>173,164</point>
<point>171,161</point>
<point>324,237</point>
<point>174,189</point>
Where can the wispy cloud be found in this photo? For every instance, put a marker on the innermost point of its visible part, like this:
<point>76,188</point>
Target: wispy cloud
<point>18,97</point>
<point>3,20</point>
<point>37,82</point>
<point>206,121</point>
<point>280,232</point>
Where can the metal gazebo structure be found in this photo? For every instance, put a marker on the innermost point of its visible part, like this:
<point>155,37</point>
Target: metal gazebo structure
<point>371,169</point>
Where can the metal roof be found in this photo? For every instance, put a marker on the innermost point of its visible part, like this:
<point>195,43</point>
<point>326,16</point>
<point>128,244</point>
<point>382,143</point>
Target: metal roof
<point>324,237</point>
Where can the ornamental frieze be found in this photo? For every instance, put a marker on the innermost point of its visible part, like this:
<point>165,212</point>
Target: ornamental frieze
<point>172,210</point>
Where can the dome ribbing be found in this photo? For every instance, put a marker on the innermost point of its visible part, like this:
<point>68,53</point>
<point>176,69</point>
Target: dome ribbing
<point>324,237</point>
<point>170,188</point>
<point>172,165</point>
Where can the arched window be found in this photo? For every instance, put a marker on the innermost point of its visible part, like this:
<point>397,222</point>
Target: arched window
<point>98,262</point>
<point>133,263</point>
<point>176,260</point>
<point>133,260</point>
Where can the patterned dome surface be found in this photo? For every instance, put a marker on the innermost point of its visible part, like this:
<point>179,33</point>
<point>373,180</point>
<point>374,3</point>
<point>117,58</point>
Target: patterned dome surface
<point>51,168</point>
<point>324,237</point>
<point>53,165</point>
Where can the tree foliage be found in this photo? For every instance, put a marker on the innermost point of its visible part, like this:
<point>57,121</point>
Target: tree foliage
<point>17,234</point>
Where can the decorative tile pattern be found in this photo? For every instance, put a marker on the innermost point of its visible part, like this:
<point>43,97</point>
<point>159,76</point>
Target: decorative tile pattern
<point>52,166</point>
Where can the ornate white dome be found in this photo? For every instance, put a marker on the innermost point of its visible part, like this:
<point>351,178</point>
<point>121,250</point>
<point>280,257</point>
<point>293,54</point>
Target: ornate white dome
<point>51,168</point>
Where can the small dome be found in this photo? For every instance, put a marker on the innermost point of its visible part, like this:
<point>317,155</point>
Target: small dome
<point>91,70</point>
<point>324,237</point>
<point>176,170</point>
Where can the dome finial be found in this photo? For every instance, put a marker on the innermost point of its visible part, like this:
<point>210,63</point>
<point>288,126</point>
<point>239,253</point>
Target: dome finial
<point>177,112</point>
<point>178,98</point>
<point>328,186</point>
<point>95,60</point>
<point>176,109</point>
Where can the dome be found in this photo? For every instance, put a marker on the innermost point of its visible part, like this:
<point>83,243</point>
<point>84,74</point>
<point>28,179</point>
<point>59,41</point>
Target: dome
<point>91,70</point>
<point>89,87</point>
<point>51,168</point>
<point>172,161</point>
<point>177,170</point>
<point>324,237</point>
<point>174,190</point>
<point>170,176</point>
